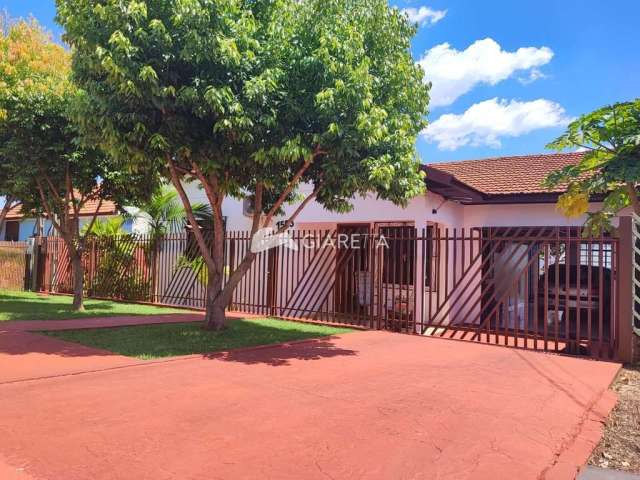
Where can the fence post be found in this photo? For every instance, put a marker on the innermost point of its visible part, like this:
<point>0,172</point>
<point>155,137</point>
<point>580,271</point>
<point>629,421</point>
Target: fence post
<point>272,280</point>
<point>35,264</point>
<point>624,318</point>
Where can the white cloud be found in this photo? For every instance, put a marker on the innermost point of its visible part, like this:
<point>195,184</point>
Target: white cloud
<point>485,123</point>
<point>454,73</point>
<point>424,15</point>
<point>534,75</point>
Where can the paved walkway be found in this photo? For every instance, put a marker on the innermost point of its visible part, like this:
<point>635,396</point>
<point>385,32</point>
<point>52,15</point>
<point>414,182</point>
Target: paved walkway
<point>366,405</point>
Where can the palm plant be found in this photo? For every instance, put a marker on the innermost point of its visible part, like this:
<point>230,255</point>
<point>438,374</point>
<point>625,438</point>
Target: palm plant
<point>110,227</point>
<point>163,214</point>
<point>113,253</point>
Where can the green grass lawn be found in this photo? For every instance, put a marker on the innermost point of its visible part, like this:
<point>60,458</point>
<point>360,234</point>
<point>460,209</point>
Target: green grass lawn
<point>31,306</point>
<point>167,340</point>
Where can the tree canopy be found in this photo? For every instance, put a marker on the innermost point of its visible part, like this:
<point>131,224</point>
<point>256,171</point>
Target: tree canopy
<point>29,63</point>
<point>43,160</point>
<point>253,97</point>
<point>609,168</point>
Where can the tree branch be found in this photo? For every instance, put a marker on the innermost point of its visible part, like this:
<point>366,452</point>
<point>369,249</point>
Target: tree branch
<point>211,191</point>
<point>54,222</point>
<point>303,204</point>
<point>70,193</point>
<point>204,250</point>
<point>292,184</point>
<point>598,144</point>
<point>633,195</point>
<point>94,217</point>
<point>257,210</point>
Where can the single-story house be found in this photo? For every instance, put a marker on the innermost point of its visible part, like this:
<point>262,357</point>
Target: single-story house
<point>484,250</point>
<point>501,191</point>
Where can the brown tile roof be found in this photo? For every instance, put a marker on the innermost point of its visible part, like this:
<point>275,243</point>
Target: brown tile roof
<point>107,208</point>
<point>509,175</point>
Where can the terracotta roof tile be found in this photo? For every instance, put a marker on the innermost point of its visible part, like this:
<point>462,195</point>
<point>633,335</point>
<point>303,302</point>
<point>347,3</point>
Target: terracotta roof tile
<point>107,208</point>
<point>509,175</point>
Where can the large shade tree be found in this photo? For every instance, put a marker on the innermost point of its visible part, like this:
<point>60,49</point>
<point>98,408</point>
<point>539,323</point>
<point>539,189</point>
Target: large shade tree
<point>28,63</point>
<point>610,167</point>
<point>252,98</point>
<point>42,159</point>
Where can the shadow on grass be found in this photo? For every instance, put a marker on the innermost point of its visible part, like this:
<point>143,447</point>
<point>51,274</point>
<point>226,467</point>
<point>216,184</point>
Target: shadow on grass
<point>40,309</point>
<point>32,306</point>
<point>159,341</point>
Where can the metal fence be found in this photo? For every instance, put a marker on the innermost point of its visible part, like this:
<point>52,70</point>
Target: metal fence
<point>636,273</point>
<point>540,288</point>
<point>14,265</point>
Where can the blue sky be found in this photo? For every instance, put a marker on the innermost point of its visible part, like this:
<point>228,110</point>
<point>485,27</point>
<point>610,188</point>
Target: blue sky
<point>507,74</point>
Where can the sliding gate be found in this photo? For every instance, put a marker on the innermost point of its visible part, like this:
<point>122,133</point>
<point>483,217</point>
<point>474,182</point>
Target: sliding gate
<point>543,288</point>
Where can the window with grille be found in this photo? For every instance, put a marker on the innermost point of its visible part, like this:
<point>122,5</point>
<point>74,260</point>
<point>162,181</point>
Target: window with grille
<point>600,253</point>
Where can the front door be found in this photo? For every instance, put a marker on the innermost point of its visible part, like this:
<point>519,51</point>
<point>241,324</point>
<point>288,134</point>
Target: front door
<point>352,292</point>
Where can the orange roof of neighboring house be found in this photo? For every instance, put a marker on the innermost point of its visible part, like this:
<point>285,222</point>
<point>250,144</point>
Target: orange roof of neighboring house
<point>509,175</point>
<point>89,208</point>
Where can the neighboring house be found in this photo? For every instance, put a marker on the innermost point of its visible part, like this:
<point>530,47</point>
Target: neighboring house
<point>20,227</point>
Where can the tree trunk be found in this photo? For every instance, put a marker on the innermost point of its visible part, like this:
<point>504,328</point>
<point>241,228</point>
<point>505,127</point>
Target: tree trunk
<point>8,205</point>
<point>214,316</point>
<point>78,282</point>
<point>218,298</point>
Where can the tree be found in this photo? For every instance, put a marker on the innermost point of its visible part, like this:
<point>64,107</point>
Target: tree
<point>253,98</point>
<point>41,156</point>
<point>609,168</point>
<point>25,62</point>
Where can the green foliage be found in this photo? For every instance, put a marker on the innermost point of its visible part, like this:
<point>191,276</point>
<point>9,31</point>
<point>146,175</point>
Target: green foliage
<point>109,227</point>
<point>39,144</point>
<point>163,213</point>
<point>610,167</point>
<point>117,274</point>
<point>250,89</point>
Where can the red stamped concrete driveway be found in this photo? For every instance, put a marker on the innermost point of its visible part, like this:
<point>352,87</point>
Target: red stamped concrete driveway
<point>366,405</point>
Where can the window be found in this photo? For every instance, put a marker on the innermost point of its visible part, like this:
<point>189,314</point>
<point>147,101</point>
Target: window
<point>596,254</point>
<point>398,265</point>
<point>429,267</point>
<point>12,231</point>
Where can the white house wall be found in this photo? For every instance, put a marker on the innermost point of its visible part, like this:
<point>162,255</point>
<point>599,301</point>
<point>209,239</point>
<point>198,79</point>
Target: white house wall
<point>369,209</point>
<point>516,215</point>
<point>420,211</point>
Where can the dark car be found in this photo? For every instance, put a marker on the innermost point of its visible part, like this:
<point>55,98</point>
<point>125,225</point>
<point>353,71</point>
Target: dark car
<point>576,293</point>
